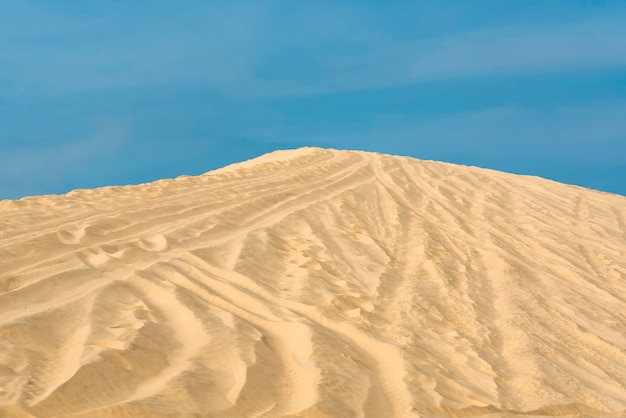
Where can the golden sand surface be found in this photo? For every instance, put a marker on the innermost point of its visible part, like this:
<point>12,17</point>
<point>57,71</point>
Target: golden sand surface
<point>316,283</point>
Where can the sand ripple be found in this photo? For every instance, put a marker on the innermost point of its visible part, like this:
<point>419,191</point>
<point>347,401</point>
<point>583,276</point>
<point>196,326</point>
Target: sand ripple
<point>316,283</point>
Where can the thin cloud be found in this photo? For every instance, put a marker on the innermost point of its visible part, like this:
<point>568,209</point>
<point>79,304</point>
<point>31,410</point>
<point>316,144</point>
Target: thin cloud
<point>134,47</point>
<point>40,168</point>
<point>370,63</point>
<point>592,134</point>
<point>570,47</point>
<point>261,51</point>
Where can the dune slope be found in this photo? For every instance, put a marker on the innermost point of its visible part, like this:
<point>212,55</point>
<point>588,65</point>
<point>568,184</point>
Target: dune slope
<point>316,283</point>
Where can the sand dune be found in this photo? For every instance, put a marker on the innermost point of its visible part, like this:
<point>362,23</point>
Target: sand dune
<point>316,283</point>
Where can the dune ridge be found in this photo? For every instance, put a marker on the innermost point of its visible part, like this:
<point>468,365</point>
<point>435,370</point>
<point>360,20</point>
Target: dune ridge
<point>316,283</point>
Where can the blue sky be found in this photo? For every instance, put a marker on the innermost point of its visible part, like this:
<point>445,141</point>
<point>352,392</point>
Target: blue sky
<point>120,92</point>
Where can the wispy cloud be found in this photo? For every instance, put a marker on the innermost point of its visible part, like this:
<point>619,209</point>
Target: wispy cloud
<point>57,51</point>
<point>582,134</point>
<point>250,50</point>
<point>275,72</point>
<point>367,56</point>
<point>514,50</point>
<point>36,169</point>
<point>590,134</point>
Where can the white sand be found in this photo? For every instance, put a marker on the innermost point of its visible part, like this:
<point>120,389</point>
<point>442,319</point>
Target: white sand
<point>316,283</point>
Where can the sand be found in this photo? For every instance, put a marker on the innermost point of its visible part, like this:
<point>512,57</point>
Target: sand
<point>316,283</point>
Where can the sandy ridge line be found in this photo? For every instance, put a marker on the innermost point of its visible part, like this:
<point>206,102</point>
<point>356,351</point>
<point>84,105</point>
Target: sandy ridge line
<point>135,269</point>
<point>262,222</point>
<point>189,191</point>
<point>159,226</point>
<point>550,294</point>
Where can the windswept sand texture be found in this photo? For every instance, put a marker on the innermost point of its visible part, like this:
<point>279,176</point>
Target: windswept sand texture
<point>316,283</point>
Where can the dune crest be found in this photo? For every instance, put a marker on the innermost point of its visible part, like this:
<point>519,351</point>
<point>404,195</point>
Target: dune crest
<point>316,283</point>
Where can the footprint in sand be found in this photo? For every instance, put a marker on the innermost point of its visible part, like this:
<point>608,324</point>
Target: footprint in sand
<point>101,256</point>
<point>72,236</point>
<point>156,242</point>
<point>9,284</point>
